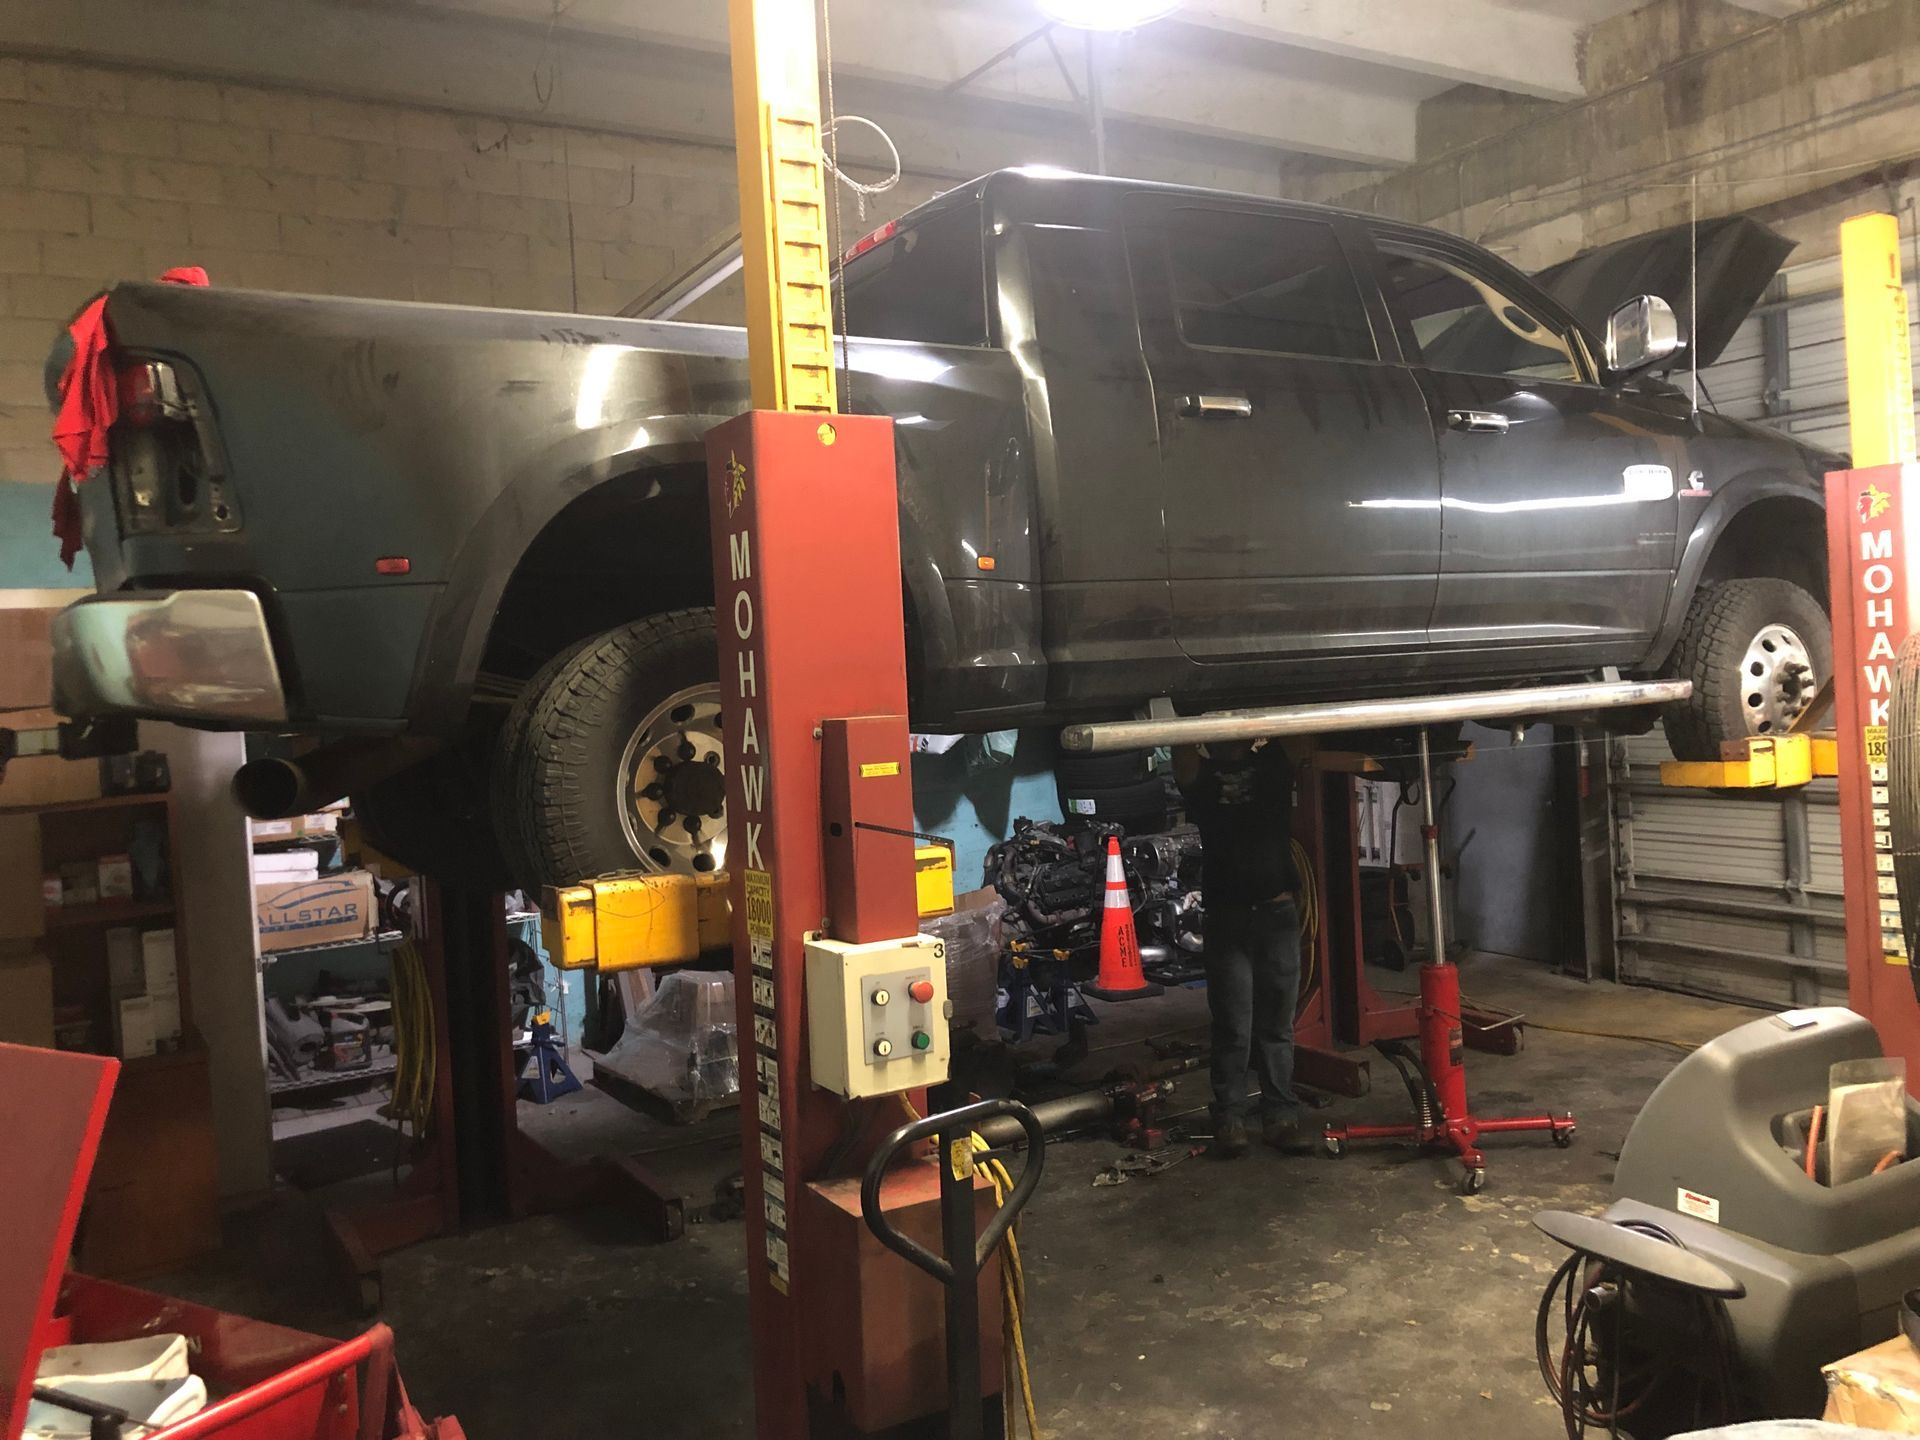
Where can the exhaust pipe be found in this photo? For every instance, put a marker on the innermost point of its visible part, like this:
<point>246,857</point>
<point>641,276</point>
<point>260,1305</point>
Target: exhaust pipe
<point>1066,1112</point>
<point>275,789</point>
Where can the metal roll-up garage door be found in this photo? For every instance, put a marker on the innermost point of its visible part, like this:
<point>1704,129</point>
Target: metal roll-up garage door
<point>1787,365</point>
<point>1736,896</point>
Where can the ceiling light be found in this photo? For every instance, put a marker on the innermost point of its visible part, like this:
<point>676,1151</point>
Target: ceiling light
<point>1107,14</point>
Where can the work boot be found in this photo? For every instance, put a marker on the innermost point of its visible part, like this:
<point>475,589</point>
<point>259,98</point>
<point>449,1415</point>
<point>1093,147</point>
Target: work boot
<point>1286,1134</point>
<point>1229,1138</point>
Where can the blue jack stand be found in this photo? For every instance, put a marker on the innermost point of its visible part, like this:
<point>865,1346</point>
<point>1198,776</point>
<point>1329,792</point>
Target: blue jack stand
<point>551,1077</point>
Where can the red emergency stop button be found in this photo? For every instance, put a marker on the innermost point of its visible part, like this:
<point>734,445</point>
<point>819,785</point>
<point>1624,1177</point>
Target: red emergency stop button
<point>921,991</point>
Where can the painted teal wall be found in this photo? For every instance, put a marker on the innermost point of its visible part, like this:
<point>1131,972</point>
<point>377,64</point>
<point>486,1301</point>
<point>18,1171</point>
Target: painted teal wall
<point>29,555</point>
<point>974,806</point>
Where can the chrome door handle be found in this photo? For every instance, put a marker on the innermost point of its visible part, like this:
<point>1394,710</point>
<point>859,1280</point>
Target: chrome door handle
<point>1478,422</point>
<point>1236,405</point>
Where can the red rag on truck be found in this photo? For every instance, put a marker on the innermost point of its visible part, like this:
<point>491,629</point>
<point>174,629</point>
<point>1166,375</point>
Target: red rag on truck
<point>89,404</point>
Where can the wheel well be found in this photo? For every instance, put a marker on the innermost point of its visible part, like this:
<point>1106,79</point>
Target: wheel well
<point>615,553</point>
<point>1783,538</point>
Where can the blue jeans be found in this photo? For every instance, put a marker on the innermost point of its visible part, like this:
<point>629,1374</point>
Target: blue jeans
<point>1252,955</point>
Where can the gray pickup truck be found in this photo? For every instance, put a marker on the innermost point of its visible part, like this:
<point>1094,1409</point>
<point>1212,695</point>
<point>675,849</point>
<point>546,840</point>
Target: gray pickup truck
<point>1152,442</point>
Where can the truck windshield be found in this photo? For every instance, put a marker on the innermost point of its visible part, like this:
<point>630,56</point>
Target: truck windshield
<point>928,282</point>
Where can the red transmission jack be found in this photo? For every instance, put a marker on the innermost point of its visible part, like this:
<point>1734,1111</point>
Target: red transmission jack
<point>1444,1115</point>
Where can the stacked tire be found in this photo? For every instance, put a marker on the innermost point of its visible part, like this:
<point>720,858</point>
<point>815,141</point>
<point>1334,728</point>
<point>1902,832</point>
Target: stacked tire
<point>1121,788</point>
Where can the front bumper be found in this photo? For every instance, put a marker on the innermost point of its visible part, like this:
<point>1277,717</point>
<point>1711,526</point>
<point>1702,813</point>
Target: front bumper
<point>194,655</point>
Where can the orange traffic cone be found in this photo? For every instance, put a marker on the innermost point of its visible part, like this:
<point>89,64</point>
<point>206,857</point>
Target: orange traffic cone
<point>1120,976</point>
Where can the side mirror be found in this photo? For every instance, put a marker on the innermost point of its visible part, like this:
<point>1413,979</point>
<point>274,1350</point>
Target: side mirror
<point>1641,334</point>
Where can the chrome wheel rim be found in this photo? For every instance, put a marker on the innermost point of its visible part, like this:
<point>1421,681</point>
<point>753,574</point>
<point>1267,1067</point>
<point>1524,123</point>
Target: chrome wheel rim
<point>1776,680</point>
<point>672,780</point>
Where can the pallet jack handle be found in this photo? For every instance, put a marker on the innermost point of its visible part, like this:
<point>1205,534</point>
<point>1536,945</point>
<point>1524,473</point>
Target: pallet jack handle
<point>954,1126</point>
<point>966,1255</point>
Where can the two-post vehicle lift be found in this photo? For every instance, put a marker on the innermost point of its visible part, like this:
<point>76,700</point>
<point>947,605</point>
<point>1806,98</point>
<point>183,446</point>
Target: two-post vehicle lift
<point>841,1002</point>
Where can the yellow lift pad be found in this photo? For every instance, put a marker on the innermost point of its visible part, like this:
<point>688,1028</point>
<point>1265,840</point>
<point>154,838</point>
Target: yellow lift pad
<point>628,922</point>
<point>1761,762</point>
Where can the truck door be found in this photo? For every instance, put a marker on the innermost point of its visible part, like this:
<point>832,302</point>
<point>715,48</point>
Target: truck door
<point>1297,462</point>
<point>1558,494</point>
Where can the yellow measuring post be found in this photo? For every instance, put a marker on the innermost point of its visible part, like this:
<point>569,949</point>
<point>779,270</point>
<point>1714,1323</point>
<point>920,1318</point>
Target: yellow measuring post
<point>783,204</point>
<point>1879,357</point>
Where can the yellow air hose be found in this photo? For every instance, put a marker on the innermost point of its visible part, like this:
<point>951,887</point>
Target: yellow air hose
<point>414,1056</point>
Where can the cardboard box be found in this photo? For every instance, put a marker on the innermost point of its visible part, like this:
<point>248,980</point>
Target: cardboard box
<point>126,975</point>
<point>314,912</point>
<point>26,997</point>
<point>294,827</point>
<point>79,883</point>
<point>26,656</point>
<point>133,1027</point>
<point>47,779</point>
<point>23,906</point>
<point>1877,1388</point>
<point>116,877</point>
<point>165,1013</point>
<point>157,963</point>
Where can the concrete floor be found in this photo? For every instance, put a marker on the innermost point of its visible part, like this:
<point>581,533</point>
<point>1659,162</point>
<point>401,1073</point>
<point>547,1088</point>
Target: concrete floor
<point>1211,1300</point>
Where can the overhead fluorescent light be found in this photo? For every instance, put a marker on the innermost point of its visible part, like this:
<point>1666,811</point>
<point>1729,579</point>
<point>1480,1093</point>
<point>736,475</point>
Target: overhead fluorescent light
<point>1107,14</point>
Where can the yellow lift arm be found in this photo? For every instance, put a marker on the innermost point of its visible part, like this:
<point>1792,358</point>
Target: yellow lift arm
<point>628,922</point>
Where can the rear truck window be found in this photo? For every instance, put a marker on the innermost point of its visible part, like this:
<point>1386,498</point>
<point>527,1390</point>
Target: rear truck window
<point>1243,281</point>
<point>922,281</point>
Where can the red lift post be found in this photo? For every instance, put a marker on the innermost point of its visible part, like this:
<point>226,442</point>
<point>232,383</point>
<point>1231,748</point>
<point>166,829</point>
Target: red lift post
<point>1873,540</point>
<point>847,1339</point>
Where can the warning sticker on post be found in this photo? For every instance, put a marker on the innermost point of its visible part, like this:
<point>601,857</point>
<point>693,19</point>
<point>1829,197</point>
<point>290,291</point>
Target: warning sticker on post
<point>759,905</point>
<point>1876,738</point>
<point>1701,1207</point>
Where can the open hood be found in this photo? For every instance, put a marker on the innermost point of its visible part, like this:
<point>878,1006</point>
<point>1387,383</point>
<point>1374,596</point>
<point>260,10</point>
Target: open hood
<point>1738,259</point>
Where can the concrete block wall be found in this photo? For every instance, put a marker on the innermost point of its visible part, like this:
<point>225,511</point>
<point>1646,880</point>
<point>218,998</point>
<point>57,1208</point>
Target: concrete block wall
<point>110,174</point>
<point>1795,118</point>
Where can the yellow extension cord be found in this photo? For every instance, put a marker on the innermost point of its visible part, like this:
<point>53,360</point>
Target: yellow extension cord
<point>414,1057</point>
<point>1013,1291</point>
<point>1309,916</point>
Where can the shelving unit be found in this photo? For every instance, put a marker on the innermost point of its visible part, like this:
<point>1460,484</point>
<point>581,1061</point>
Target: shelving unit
<point>385,939</point>
<point>382,1067</point>
<point>153,1202</point>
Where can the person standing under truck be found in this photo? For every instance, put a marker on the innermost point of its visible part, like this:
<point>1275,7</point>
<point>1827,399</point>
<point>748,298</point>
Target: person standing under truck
<point>1241,797</point>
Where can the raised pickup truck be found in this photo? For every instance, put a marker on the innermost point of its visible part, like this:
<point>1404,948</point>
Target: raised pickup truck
<point>1152,442</point>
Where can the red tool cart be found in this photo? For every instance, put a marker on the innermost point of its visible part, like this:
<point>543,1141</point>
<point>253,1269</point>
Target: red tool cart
<point>262,1380</point>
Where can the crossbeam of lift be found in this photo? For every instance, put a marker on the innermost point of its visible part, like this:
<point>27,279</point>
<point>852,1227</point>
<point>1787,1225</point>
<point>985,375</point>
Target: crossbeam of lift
<point>1529,702</point>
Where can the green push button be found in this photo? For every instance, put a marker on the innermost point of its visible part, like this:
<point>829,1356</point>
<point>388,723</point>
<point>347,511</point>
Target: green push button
<point>922,1040</point>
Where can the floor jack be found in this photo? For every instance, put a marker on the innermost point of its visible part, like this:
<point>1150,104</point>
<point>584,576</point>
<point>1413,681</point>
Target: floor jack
<point>1444,1118</point>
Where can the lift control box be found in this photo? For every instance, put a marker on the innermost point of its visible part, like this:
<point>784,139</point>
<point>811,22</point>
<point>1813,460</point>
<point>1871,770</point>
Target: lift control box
<point>877,1014</point>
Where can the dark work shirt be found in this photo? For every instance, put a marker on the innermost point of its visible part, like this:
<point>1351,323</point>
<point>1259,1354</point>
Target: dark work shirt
<point>1244,809</point>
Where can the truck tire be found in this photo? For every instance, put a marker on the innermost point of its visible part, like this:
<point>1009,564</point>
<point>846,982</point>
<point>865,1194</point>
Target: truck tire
<point>1757,651</point>
<point>1140,806</point>
<point>433,817</point>
<point>1099,786</point>
<point>509,760</point>
<point>617,751</point>
<point>1082,774</point>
